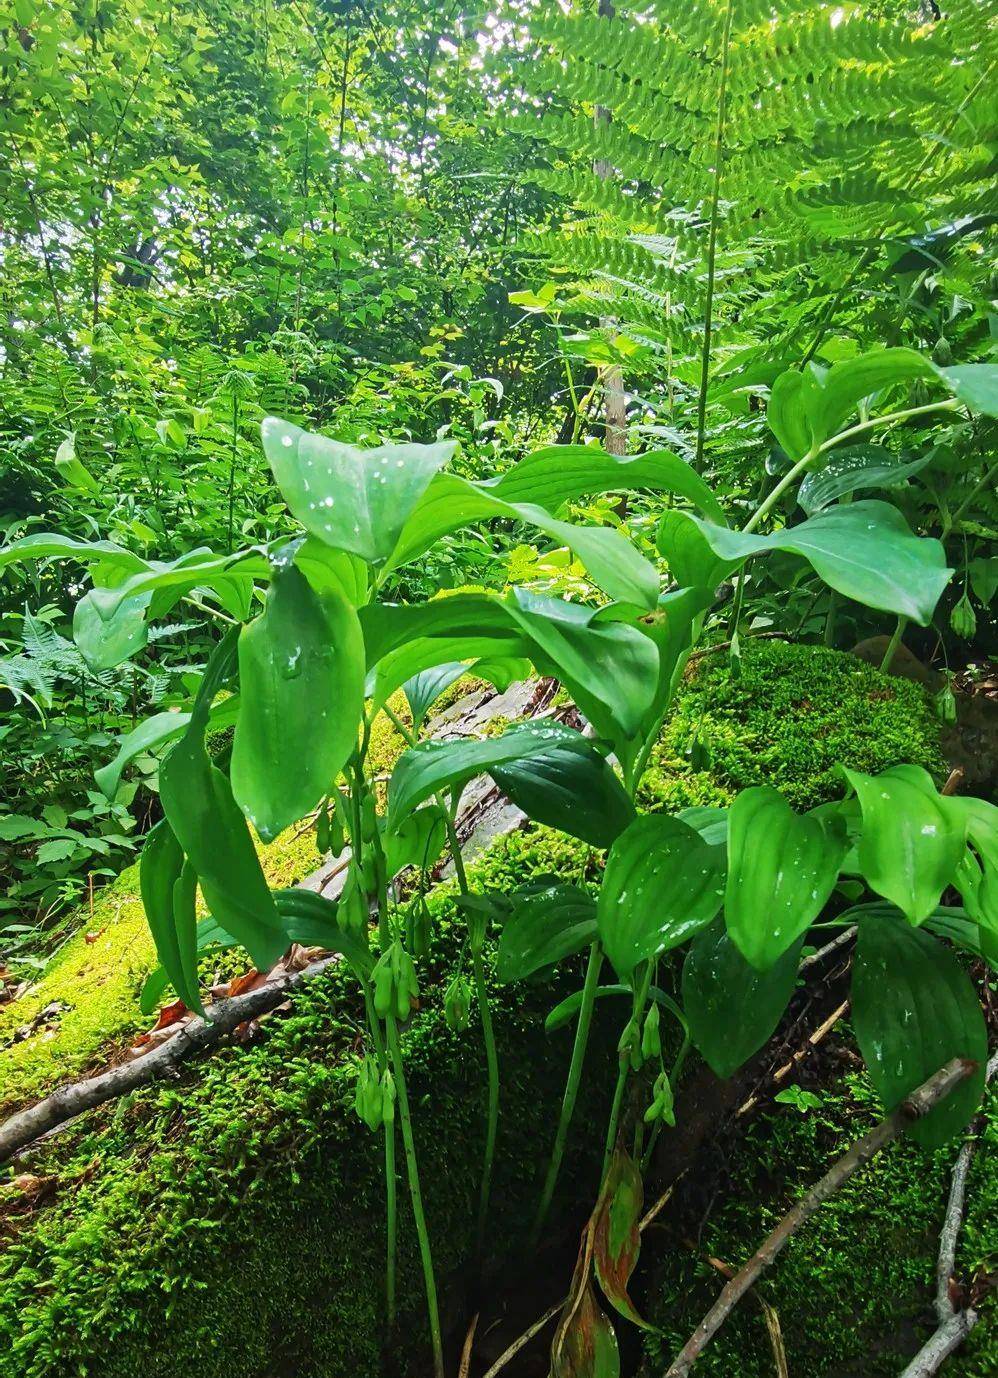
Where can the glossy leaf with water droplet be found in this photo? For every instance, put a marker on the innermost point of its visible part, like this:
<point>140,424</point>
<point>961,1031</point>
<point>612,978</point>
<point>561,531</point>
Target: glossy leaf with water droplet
<point>301,680</point>
<point>911,842</point>
<point>913,1010</point>
<point>662,884</point>
<point>351,498</point>
<point>732,1008</point>
<point>547,924</point>
<point>782,867</point>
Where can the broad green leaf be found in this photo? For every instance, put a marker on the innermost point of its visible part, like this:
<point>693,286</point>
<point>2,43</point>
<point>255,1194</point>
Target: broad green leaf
<point>913,1010</point>
<point>562,473</point>
<point>206,934</point>
<point>424,688</point>
<point>312,920</point>
<point>863,550</point>
<point>424,769</point>
<point>787,412</point>
<point>153,732</point>
<point>611,559</point>
<point>425,656</point>
<point>662,884</point>
<point>44,545</point>
<point>418,841</point>
<point>108,640</point>
<point>546,925</point>
<point>782,867</point>
<point>390,627</point>
<point>569,788</point>
<point>849,470</point>
<point>732,1008</point>
<point>692,562</point>
<point>976,385</point>
<point>912,842</point>
<point>209,825</point>
<point>301,680</point>
<point>710,822</point>
<point>330,570</point>
<point>352,499</point>
<point>609,668</point>
<point>984,578</point>
<point>71,469</point>
<point>161,869</point>
<point>847,383</point>
<point>616,1233</point>
<point>673,628</point>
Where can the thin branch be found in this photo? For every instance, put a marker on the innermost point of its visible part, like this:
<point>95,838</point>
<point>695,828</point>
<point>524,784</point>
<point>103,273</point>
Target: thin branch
<point>524,1339</point>
<point>914,1107</point>
<point>222,1017</point>
<point>954,1326</point>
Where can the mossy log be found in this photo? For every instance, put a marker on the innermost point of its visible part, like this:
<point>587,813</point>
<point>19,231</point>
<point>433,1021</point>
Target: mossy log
<point>232,1222</point>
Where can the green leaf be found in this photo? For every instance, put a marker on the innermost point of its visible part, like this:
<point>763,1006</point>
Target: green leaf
<point>313,920</point>
<point>692,562</point>
<point>563,473</point>
<point>108,640</point>
<point>424,688</point>
<point>425,769</point>
<point>71,469</point>
<point>153,732</point>
<point>662,884</point>
<point>454,502</point>
<point>418,840</point>
<point>209,825</point>
<point>848,470</point>
<point>428,655</point>
<point>846,384</point>
<point>863,550</point>
<point>301,678</point>
<point>45,545</point>
<point>782,867</point>
<point>913,1010</point>
<point>206,934</point>
<point>616,1234</point>
<point>572,789</point>
<point>976,385</point>
<point>912,842</point>
<point>389,627</point>
<point>567,1009</point>
<point>673,627</point>
<point>732,1008</point>
<point>162,883</point>
<point>351,499</point>
<point>545,926</point>
<point>787,412</point>
<point>609,668</point>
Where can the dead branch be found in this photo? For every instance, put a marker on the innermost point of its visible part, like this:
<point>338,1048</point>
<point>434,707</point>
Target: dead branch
<point>913,1107</point>
<point>194,1037</point>
<point>954,1326</point>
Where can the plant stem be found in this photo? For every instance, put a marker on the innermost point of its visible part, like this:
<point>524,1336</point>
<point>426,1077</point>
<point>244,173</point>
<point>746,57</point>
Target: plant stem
<point>422,1234</point>
<point>624,1067</point>
<point>893,644</point>
<point>722,99</point>
<point>391,1175</point>
<point>571,1092</point>
<point>947,404</point>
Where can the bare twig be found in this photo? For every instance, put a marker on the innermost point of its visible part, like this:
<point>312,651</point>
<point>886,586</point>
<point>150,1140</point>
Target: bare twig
<point>844,938</point>
<point>781,1074</point>
<point>913,1107</point>
<point>524,1339</point>
<point>954,1326</point>
<point>200,1034</point>
<point>769,1313</point>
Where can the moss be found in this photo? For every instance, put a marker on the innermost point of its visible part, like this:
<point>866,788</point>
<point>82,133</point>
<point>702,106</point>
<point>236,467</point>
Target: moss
<point>853,1288</point>
<point>234,1222</point>
<point>791,717</point>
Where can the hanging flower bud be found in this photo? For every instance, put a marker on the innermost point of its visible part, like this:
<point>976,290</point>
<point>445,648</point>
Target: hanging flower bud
<point>963,619</point>
<point>457,1004</point>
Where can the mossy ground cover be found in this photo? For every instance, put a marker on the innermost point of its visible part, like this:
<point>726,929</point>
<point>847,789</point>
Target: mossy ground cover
<point>233,1222</point>
<point>853,1288</point>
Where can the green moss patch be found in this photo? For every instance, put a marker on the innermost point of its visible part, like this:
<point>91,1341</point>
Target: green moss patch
<point>853,1288</point>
